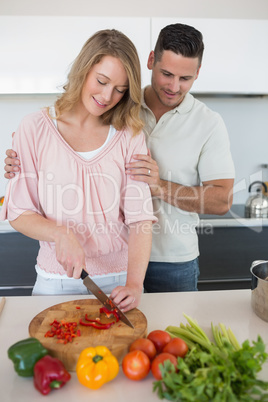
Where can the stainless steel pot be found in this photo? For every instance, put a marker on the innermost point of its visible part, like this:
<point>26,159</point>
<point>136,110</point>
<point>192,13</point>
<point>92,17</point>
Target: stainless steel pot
<point>257,205</point>
<point>259,288</point>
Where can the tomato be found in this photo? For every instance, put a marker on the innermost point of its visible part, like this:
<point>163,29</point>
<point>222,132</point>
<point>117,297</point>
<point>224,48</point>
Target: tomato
<point>159,338</point>
<point>136,365</point>
<point>159,359</point>
<point>145,345</point>
<point>176,347</point>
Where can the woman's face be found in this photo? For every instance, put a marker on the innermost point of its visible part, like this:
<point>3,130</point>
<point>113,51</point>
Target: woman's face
<point>105,86</point>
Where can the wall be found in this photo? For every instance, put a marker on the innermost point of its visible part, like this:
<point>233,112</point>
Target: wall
<point>257,9</point>
<point>246,117</point>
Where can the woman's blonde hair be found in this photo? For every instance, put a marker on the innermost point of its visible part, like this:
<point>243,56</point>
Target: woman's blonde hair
<point>126,113</point>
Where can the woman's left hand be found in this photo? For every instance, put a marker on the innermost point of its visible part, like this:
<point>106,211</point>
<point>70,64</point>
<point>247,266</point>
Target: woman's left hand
<point>126,297</point>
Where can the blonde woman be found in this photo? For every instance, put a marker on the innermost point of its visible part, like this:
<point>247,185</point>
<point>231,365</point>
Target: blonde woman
<point>72,193</point>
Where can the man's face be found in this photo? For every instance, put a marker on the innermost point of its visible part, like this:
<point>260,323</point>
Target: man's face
<point>172,77</point>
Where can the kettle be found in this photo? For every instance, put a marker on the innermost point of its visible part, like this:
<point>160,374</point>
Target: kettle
<point>257,205</point>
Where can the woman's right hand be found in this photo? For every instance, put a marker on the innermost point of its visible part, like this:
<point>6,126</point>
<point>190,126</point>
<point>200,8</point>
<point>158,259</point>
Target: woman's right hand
<point>12,164</point>
<point>69,252</point>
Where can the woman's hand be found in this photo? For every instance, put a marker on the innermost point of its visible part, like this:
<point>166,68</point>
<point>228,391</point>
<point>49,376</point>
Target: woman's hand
<point>126,297</point>
<point>140,238</point>
<point>12,164</point>
<point>69,252</point>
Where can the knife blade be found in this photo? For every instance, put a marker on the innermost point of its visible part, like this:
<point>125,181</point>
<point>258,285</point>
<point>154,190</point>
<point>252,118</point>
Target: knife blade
<point>103,298</point>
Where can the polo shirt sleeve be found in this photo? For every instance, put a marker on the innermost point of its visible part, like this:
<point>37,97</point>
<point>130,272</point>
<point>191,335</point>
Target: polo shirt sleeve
<point>215,160</point>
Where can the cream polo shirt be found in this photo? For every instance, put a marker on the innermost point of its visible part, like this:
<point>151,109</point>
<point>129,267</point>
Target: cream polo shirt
<point>190,144</point>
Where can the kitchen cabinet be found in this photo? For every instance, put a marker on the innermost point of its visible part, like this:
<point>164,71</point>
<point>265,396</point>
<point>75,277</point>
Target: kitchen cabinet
<point>38,50</point>
<point>18,258</point>
<point>235,56</point>
<point>226,257</point>
<point>228,246</point>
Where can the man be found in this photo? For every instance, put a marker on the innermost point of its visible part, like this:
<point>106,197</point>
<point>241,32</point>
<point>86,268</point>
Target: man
<point>189,168</point>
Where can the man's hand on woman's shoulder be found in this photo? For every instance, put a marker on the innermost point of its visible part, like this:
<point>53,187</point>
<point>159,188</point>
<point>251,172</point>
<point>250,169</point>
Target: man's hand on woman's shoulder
<point>12,164</point>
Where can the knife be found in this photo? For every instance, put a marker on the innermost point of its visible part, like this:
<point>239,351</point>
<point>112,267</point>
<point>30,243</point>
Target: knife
<point>103,298</point>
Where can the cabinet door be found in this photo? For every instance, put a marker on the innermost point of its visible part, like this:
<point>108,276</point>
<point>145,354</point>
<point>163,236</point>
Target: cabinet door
<point>18,258</point>
<point>226,255</point>
<point>235,57</point>
<point>36,51</point>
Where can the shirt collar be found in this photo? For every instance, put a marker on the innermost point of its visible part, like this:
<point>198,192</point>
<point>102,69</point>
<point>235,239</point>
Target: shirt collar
<point>184,107</point>
<point>143,104</point>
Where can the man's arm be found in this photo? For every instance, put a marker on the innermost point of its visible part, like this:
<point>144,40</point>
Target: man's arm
<point>213,197</point>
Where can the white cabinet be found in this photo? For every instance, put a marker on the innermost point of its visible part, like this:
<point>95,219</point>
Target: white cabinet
<point>36,51</point>
<point>236,54</point>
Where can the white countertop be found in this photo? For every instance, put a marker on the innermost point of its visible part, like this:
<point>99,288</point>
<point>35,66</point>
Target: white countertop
<point>233,308</point>
<point>233,222</point>
<point>235,217</point>
<point>5,227</point>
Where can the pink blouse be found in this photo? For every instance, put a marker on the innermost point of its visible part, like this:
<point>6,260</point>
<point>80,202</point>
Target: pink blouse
<point>94,198</point>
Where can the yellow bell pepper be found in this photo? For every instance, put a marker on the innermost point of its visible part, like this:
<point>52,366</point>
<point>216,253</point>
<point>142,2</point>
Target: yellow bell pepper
<point>96,366</point>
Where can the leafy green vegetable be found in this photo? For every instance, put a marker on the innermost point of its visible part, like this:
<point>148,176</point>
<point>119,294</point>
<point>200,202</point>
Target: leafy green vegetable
<point>221,371</point>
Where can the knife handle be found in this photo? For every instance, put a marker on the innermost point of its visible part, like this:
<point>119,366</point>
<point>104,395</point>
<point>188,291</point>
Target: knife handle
<point>84,274</point>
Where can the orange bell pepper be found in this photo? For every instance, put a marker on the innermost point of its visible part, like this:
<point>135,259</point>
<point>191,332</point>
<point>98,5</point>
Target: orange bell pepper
<point>96,366</point>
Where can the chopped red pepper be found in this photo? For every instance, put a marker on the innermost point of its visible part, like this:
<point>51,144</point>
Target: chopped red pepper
<point>63,331</point>
<point>66,331</point>
<point>78,307</point>
<point>110,312</point>
<point>90,320</point>
<point>96,324</point>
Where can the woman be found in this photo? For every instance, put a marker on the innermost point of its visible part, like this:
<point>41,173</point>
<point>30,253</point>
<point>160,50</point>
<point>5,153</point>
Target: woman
<point>72,193</point>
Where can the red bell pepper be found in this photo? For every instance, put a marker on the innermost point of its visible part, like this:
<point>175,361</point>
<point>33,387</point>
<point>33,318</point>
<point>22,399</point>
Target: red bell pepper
<point>110,312</point>
<point>96,324</point>
<point>50,373</point>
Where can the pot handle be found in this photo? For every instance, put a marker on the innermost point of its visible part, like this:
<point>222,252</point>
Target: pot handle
<point>258,182</point>
<point>254,278</point>
<point>257,262</point>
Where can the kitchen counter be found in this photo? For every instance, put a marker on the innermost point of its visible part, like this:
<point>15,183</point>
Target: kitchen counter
<point>230,307</point>
<point>233,218</point>
<point>228,245</point>
<point>5,227</point>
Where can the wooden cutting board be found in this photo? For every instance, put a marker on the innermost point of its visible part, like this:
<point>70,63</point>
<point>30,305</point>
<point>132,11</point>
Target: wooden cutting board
<point>117,338</point>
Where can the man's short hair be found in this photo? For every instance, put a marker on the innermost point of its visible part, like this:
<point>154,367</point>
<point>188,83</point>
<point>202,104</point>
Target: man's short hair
<point>180,39</point>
